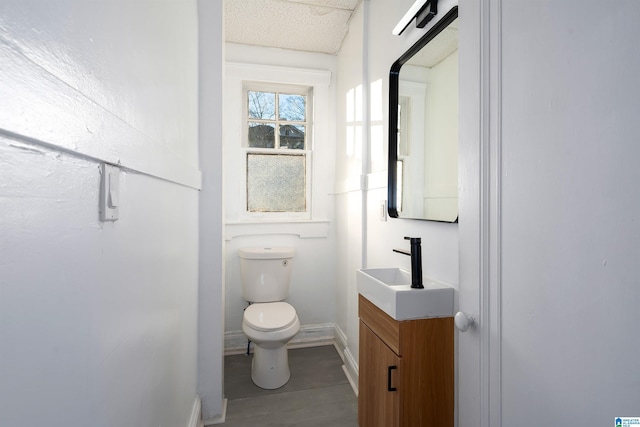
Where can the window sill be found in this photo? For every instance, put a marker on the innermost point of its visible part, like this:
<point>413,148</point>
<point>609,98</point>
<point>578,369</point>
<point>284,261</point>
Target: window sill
<point>309,229</point>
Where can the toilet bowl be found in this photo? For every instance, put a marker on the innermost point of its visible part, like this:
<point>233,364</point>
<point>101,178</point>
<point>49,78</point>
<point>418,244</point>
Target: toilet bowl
<point>270,326</point>
<point>268,322</point>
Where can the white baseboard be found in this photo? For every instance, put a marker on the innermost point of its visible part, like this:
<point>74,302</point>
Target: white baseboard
<point>235,342</point>
<point>220,419</point>
<point>341,340</point>
<point>196,413</point>
<point>351,369</point>
<point>350,366</point>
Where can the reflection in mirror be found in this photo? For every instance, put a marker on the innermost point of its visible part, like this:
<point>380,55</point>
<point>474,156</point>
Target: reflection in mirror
<point>423,127</point>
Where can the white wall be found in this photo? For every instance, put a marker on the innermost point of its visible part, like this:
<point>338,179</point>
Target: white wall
<point>439,241</point>
<point>313,279</point>
<point>211,249</point>
<point>370,32</point>
<point>549,251</point>
<point>98,321</point>
<point>349,165</point>
<point>441,130</point>
<point>570,212</point>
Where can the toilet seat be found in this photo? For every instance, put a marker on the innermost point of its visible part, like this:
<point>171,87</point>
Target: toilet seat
<point>270,316</point>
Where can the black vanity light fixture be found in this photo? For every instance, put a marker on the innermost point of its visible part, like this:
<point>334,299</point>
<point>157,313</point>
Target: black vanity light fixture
<point>422,10</point>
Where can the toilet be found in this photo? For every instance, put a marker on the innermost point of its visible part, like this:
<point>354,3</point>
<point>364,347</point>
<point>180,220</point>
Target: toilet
<point>268,322</point>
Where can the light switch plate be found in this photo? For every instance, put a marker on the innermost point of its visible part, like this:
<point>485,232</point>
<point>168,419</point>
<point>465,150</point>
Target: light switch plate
<point>383,210</point>
<point>109,192</point>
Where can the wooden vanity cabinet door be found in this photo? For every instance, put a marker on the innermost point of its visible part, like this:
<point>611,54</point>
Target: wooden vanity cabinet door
<point>427,395</point>
<point>377,406</point>
<point>422,350</point>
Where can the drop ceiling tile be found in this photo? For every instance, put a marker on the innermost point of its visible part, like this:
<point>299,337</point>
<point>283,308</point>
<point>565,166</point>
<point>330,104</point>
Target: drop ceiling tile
<point>298,25</point>
<point>340,4</point>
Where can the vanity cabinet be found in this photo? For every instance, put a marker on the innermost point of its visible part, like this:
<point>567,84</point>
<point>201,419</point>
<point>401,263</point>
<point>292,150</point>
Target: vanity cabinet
<point>405,370</point>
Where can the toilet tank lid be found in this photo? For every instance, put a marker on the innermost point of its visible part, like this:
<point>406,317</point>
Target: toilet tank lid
<point>267,253</point>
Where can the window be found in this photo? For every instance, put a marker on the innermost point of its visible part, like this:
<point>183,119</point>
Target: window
<point>278,148</point>
<point>403,148</point>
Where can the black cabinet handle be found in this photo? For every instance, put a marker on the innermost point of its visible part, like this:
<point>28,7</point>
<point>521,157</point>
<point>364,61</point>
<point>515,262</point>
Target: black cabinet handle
<point>389,388</point>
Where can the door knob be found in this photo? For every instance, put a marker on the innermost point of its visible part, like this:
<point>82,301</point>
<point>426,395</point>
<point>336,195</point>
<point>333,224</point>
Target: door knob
<point>463,321</point>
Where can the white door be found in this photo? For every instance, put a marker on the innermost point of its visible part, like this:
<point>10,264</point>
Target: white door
<point>550,212</point>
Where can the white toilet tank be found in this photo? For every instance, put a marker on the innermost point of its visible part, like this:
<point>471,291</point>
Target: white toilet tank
<point>265,273</point>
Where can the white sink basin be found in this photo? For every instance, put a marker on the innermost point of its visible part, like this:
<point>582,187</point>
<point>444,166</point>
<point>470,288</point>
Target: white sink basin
<point>390,290</point>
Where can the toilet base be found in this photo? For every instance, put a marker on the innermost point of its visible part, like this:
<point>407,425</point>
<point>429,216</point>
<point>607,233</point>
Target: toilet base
<point>270,367</point>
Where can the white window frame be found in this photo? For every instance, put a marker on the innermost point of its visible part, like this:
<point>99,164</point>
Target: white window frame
<point>320,163</point>
<point>307,152</point>
<point>282,89</point>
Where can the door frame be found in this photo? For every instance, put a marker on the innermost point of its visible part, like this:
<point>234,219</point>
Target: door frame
<point>478,375</point>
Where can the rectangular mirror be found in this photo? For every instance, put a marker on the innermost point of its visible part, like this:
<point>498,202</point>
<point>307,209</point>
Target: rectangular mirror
<point>423,127</point>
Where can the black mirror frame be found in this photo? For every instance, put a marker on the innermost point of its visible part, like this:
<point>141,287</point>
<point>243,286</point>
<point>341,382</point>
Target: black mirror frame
<point>394,80</point>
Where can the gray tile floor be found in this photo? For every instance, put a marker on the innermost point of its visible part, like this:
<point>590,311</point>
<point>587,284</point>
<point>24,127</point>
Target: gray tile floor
<point>318,393</point>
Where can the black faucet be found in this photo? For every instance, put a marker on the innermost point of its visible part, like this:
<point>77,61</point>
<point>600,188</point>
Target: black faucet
<point>416,261</point>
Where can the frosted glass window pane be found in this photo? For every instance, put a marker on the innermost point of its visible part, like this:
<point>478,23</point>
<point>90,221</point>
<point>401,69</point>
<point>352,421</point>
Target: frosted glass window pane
<point>276,183</point>
<point>262,105</point>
